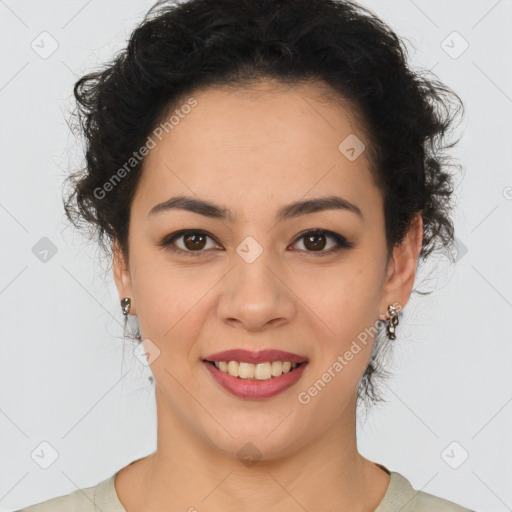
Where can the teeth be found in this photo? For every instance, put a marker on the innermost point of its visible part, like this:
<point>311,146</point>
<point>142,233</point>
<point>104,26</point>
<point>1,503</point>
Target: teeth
<point>263,371</point>
<point>246,370</point>
<point>259,371</point>
<point>233,368</point>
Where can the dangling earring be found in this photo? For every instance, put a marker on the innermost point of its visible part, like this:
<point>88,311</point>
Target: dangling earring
<point>125,305</point>
<point>392,322</point>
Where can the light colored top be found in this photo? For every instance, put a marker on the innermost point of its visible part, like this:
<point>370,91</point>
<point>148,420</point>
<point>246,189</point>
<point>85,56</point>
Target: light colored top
<point>400,497</point>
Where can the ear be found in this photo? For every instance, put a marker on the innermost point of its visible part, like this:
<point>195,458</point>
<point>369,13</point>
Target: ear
<point>402,268</point>
<point>122,276</point>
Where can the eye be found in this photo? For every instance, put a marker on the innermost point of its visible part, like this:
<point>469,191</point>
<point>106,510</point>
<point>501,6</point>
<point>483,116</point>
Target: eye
<point>316,241</point>
<point>194,243</point>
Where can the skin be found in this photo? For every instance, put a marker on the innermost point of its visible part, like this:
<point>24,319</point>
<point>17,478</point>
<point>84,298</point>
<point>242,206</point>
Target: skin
<point>254,151</point>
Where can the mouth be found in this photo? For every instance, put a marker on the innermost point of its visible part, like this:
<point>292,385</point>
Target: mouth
<point>260,371</point>
<point>251,375</point>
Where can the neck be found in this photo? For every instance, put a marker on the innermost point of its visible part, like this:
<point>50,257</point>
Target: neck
<point>192,474</point>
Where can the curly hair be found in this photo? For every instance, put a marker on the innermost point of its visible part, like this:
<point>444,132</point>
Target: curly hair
<point>187,46</point>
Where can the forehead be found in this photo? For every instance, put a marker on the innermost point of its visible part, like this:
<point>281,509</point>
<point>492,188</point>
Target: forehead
<point>269,141</point>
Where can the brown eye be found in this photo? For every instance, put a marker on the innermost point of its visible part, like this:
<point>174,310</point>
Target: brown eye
<point>194,241</point>
<point>191,243</point>
<point>316,241</point>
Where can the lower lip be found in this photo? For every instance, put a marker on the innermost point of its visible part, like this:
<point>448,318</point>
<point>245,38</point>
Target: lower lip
<point>254,389</point>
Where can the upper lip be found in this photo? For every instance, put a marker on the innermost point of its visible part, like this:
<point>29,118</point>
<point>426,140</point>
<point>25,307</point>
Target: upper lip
<point>256,357</point>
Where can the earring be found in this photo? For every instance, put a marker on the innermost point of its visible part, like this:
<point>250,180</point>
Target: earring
<point>392,322</point>
<point>125,305</point>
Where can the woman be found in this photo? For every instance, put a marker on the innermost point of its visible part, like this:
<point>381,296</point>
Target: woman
<point>267,176</point>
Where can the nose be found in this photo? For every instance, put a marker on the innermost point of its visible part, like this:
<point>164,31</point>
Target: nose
<point>256,295</point>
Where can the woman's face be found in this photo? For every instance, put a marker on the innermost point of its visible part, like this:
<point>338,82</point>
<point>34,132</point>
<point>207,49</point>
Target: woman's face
<point>255,279</point>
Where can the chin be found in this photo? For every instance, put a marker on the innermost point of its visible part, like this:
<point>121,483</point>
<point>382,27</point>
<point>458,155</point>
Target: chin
<point>251,442</point>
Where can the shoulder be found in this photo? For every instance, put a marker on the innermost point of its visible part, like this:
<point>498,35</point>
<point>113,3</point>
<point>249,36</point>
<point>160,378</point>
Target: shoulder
<point>425,502</point>
<point>90,499</point>
<point>402,496</point>
<point>81,500</point>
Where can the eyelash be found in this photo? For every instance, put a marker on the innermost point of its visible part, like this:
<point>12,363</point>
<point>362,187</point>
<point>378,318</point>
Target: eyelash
<point>342,242</point>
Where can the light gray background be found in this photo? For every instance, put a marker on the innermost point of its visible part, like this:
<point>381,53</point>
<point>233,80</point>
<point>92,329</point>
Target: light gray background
<point>65,378</point>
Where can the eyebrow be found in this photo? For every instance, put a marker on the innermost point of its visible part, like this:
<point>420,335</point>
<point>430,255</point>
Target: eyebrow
<point>293,210</point>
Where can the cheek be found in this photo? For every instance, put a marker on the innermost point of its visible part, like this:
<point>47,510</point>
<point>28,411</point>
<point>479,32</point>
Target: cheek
<point>344,298</point>
<point>355,308</point>
<point>170,303</point>
<point>345,322</point>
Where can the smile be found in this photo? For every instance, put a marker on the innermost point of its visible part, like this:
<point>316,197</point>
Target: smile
<point>255,381</point>
<point>259,371</point>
